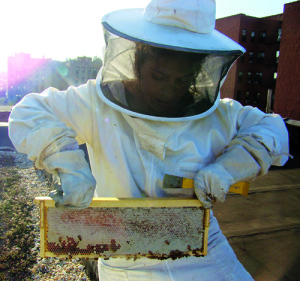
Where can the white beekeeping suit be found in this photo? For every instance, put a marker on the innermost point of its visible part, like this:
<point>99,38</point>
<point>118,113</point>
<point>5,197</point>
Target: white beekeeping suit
<point>137,131</point>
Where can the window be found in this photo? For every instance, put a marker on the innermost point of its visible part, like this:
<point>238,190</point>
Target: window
<point>244,35</point>
<point>260,57</point>
<point>256,98</point>
<point>83,69</point>
<point>277,56</point>
<point>275,75</point>
<point>242,58</point>
<point>258,78</point>
<point>252,36</point>
<point>249,76</point>
<point>247,97</point>
<point>262,36</point>
<point>251,57</point>
<point>95,71</point>
<point>279,34</point>
<point>240,79</point>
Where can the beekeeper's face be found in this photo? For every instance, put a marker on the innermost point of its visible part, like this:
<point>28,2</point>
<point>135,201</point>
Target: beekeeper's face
<point>164,83</point>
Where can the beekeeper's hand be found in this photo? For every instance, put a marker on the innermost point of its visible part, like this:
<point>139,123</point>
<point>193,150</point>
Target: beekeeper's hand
<point>75,183</point>
<point>214,180</point>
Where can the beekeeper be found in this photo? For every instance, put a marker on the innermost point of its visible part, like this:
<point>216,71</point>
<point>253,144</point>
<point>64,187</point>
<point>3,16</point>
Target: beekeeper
<point>154,109</point>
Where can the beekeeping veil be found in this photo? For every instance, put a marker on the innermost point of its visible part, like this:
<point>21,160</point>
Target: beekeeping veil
<point>178,25</point>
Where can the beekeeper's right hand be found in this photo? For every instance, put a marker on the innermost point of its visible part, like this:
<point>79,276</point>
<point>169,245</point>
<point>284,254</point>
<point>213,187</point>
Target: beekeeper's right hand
<point>75,183</point>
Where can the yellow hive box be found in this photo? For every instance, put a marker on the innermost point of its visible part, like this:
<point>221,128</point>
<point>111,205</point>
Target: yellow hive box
<point>157,228</point>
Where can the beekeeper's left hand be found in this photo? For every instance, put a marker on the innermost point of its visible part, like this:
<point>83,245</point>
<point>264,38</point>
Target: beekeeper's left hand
<point>214,180</point>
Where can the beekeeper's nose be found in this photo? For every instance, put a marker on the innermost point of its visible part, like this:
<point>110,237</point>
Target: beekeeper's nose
<point>173,89</point>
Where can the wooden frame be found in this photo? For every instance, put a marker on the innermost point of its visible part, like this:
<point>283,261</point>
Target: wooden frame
<point>162,205</point>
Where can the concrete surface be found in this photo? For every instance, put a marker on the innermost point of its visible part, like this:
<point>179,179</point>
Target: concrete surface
<point>264,228</point>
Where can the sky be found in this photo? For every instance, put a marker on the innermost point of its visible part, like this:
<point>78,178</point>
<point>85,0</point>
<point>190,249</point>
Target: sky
<point>62,29</point>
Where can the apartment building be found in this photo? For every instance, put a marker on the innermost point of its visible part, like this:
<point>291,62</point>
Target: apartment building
<point>26,74</point>
<point>268,73</point>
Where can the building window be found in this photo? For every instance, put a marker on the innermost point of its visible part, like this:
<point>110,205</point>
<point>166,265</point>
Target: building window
<point>240,79</point>
<point>244,35</point>
<point>252,36</point>
<point>83,69</point>
<point>242,58</point>
<point>260,57</point>
<point>277,56</point>
<point>256,98</point>
<point>262,36</point>
<point>251,57</point>
<point>95,71</point>
<point>275,75</point>
<point>247,97</point>
<point>258,78</point>
<point>279,34</point>
<point>249,76</point>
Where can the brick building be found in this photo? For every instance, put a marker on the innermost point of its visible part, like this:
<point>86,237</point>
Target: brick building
<point>260,69</point>
<point>287,94</point>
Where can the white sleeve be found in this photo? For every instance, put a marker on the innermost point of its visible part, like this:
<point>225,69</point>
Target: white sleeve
<point>263,136</point>
<point>42,124</point>
<point>261,140</point>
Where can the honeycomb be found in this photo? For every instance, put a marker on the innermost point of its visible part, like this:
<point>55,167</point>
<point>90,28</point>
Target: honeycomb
<point>153,232</point>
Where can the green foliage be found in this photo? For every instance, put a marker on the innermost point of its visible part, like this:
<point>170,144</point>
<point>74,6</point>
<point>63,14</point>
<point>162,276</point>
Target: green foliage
<point>16,229</point>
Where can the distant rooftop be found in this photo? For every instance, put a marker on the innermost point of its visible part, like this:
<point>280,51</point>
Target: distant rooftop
<point>5,108</point>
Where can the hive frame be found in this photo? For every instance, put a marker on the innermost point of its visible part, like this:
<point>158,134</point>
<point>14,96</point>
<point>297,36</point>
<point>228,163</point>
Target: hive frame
<point>46,202</point>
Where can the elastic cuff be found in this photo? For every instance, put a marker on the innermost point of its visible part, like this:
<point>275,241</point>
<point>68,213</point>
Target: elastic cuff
<point>238,163</point>
<point>65,161</point>
<point>62,144</point>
